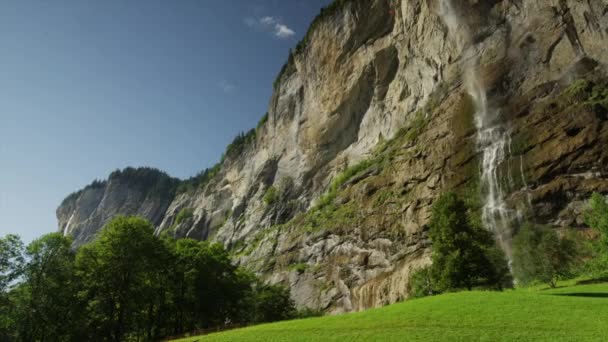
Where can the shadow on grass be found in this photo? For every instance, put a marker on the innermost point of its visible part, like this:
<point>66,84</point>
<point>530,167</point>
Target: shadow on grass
<point>583,294</point>
<point>592,281</point>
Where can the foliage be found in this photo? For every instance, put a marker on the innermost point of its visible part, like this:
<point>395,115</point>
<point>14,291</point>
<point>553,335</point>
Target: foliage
<point>198,181</point>
<point>148,180</point>
<point>11,261</point>
<point>47,298</point>
<point>11,268</point>
<point>271,195</point>
<point>421,283</point>
<point>564,314</point>
<point>262,121</point>
<point>539,254</point>
<point>597,218</point>
<point>124,304</point>
<point>184,215</point>
<point>464,254</point>
<point>329,217</point>
<point>273,303</point>
<point>240,142</point>
<point>127,285</point>
<point>96,184</point>
<point>587,92</point>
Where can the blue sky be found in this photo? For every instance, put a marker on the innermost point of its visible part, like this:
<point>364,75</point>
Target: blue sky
<point>87,87</point>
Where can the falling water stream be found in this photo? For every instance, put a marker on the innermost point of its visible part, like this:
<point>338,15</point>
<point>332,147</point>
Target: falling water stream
<point>493,136</point>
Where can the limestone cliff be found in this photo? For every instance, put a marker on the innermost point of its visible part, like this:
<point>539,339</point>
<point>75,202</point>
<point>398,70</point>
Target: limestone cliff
<point>371,118</point>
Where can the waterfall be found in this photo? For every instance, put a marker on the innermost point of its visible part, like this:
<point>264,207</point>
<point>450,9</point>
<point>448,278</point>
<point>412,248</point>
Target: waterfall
<point>493,136</point>
<point>67,226</point>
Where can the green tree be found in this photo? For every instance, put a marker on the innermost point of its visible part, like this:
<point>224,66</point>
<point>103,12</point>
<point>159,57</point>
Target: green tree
<point>597,218</point>
<point>122,274</point>
<point>464,254</point>
<point>206,288</point>
<point>273,303</point>
<point>11,266</point>
<point>539,254</point>
<point>47,301</point>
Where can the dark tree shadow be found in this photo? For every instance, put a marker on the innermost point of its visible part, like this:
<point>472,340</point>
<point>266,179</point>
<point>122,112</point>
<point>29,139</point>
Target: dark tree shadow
<point>583,294</point>
<point>592,281</point>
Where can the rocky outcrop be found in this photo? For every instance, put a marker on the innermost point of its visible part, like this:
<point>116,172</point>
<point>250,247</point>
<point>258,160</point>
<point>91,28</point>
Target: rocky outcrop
<point>369,122</point>
<point>133,192</point>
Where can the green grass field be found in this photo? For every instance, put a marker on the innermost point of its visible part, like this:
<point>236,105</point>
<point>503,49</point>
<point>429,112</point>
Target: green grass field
<point>569,313</point>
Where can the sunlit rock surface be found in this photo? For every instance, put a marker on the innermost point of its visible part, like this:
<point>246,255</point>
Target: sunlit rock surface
<point>388,86</point>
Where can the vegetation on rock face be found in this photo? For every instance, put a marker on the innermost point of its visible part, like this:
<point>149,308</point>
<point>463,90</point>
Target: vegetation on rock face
<point>271,195</point>
<point>96,184</point>
<point>127,285</point>
<point>539,254</point>
<point>200,180</point>
<point>262,121</point>
<point>183,215</point>
<point>240,142</point>
<point>151,181</point>
<point>588,92</point>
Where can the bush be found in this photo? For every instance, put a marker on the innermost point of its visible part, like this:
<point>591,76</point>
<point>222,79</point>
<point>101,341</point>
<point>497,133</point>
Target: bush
<point>540,255</point>
<point>183,215</point>
<point>421,283</point>
<point>273,303</point>
<point>271,195</point>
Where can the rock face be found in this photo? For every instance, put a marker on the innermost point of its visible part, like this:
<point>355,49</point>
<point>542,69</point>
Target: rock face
<point>369,122</point>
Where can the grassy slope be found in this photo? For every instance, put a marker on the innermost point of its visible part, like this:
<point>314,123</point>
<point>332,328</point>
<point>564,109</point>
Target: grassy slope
<point>574,313</point>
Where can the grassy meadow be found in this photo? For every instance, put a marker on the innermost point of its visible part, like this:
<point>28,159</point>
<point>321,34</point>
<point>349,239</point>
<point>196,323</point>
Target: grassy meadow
<point>568,313</point>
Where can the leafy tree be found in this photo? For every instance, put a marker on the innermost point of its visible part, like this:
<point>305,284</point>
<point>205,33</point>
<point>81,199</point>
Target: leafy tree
<point>464,254</point>
<point>11,263</point>
<point>273,303</point>
<point>597,218</point>
<point>47,301</point>
<point>126,285</point>
<point>121,272</point>
<point>539,254</point>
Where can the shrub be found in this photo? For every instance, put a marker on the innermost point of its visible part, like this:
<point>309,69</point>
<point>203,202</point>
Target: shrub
<point>421,283</point>
<point>183,215</point>
<point>271,195</point>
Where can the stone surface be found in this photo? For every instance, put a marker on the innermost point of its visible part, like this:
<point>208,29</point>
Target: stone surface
<point>363,76</point>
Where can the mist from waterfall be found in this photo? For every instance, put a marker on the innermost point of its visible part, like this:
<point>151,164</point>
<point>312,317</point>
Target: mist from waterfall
<point>493,136</point>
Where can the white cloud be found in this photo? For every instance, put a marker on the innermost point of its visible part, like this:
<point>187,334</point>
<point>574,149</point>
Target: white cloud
<point>268,21</point>
<point>226,86</point>
<point>283,31</point>
<point>270,24</point>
